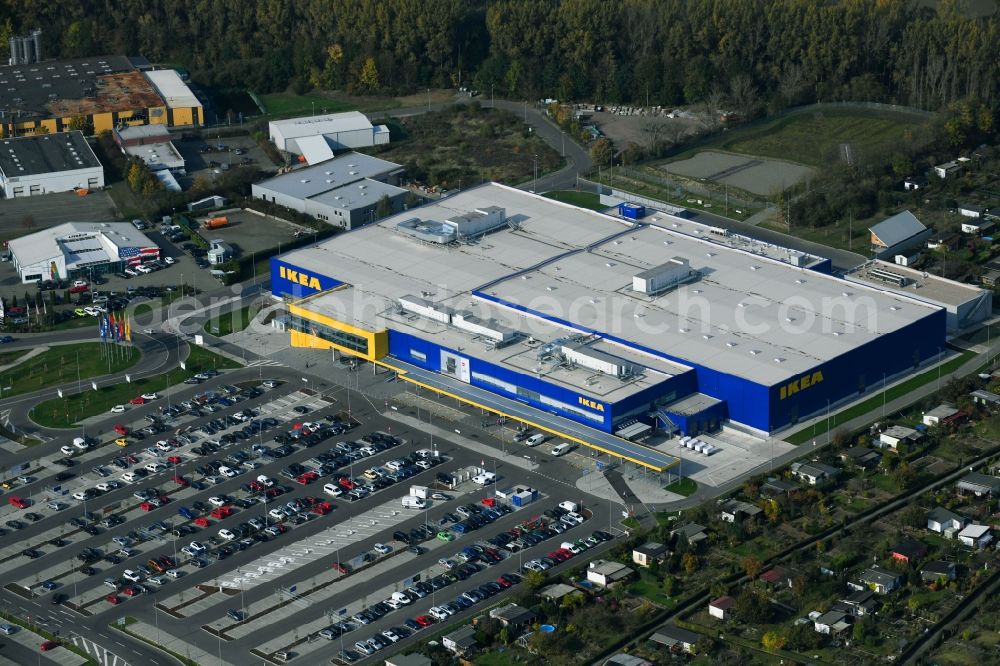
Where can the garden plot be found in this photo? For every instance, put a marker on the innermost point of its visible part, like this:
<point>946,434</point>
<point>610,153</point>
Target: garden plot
<point>759,175</point>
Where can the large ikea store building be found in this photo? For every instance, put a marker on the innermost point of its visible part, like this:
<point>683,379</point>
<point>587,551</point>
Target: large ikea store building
<point>600,326</point>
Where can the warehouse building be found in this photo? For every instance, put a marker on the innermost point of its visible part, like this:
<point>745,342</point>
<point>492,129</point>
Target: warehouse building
<point>80,250</point>
<point>579,322</point>
<point>151,144</point>
<point>964,304</point>
<point>34,165</point>
<point>343,191</point>
<point>104,92</point>
<point>322,134</point>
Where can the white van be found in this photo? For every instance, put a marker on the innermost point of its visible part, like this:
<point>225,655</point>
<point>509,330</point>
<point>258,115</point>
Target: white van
<point>333,490</point>
<point>411,502</point>
<point>535,440</point>
<point>569,506</point>
<point>80,443</point>
<point>563,448</point>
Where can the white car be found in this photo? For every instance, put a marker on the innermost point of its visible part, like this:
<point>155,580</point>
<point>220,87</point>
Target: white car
<point>79,496</point>
<point>228,472</point>
<point>391,635</point>
<point>575,517</point>
<point>198,547</point>
<point>169,261</point>
<point>382,549</point>
<point>394,604</point>
<point>164,445</point>
<point>79,283</point>
<point>149,396</point>
<point>105,486</point>
<point>144,269</point>
<point>277,514</point>
<point>227,535</point>
<point>447,564</point>
<point>67,450</point>
<point>173,573</point>
<point>92,311</point>
<point>394,465</point>
<point>131,272</point>
<point>133,576</point>
<point>155,467</point>
<point>187,550</point>
<point>215,500</point>
<point>332,490</point>
<point>129,477</point>
<point>118,409</point>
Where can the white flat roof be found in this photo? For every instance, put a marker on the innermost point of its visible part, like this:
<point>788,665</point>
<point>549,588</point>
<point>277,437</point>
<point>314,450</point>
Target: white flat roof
<point>744,314</point>
<point>923,285</point>
<point>313,180</point>
<point>157,155</point>
<point>331,123</point>
<point>79,242</point>
<point>172,89</point>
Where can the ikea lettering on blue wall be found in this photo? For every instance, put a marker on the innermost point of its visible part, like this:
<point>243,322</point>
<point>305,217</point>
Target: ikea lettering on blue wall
<point>800,384</point>
<point>592,404</point>
<point>287,280</point>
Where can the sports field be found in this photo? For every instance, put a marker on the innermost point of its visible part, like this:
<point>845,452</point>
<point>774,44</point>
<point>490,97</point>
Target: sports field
<point>817,138</point>
<point>753,174</point>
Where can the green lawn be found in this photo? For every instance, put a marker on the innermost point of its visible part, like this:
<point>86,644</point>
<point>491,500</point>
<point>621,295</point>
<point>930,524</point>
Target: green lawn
<point>11,356</point>
<point>64,412</point>
<point>290,104</point>
<point>589,200</point>
<point>62,364</point>
<point>686,486</point>
<point>815,138</point>
<point>230,322</point>
<point>874,402</point>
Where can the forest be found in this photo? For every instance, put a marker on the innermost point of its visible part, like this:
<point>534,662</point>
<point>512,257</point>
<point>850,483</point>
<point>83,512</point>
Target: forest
<point>758,55</point>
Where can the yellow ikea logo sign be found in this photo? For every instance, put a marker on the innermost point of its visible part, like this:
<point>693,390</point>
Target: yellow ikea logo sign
<point>305,280</point>
<point>586,402</point>
<point>800,384</point>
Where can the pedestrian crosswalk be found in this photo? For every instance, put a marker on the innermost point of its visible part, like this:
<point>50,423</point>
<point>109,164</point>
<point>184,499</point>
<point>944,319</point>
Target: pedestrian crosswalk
<point>102,655</point>
<point>266,362</point>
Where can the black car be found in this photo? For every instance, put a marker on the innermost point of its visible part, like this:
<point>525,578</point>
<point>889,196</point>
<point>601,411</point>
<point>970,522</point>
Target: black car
<point>31,553</point>
<point>64,476</point>
<point>14,524</point>
<point>58,598</point>
<point>236,615</point>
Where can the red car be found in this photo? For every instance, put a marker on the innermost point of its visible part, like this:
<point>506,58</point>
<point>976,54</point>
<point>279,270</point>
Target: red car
<point>274,492</point>
<point>113,599</point>
<point>131,459</point>
<point>175,460</point>
<point>129,591</point>
<point>322,508</point>
<point>489,501</point>
<point>78,289</point>
<point>337,566</point>
<point>48,645</point>
<point>121,430</point>
<point>557,556</point>
<point>503,583</point>
<point>202,522</point>
<point>18,502</point>
<point>222,512</point>
<point>137,400</point>
<point>167,561</point>
<point>180,480</point>
<point>346,483</point>
<point>303,479</point>
<point>256,486</point>
<point>146,506</point>
<point>424,620</point>
<point>163,499</point>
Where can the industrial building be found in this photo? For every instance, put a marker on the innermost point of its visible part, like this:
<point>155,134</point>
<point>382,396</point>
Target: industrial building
<point>80,250</point>
<point>316,137</point>
<point>104,92</point>
<point>584,324</point>
<point>151,144</point>
<point>343,191</point>
<point>33,165</point>
<point>965,304</point>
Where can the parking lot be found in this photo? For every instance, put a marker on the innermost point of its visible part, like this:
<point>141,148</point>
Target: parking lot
<point>266,583</point>
<point>205,158</point>
<point>251,232</point>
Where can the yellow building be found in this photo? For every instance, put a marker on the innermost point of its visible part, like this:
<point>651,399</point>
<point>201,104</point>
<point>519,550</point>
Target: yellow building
<point>102,92</point>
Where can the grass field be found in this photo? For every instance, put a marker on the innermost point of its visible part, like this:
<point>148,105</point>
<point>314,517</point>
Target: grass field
<point>459,148</point>
<point>589,200</point>
<point>815,138</point>
<point>874,402</point>
<point>64,412</point>
<point>685,487</point>
<point>60,365</point>
<point>8,357</point>
<point>230,322</point>
<point>290,104</point>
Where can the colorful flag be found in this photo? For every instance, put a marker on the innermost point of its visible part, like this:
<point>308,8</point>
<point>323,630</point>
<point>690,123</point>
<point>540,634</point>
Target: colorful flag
<point>128,330</point>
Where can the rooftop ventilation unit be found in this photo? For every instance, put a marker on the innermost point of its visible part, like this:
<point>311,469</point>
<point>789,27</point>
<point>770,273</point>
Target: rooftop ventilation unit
<point>489,328</point>
<point>663,277</point>
<point>599,361</point>
<point>425,308</point>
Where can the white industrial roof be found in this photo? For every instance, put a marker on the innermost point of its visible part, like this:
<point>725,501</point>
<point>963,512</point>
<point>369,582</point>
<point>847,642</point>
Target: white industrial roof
<point>292,128</point>
<point>923,285</point>
<point>172,89</point>
<point>315,149</point>
<point>310,181</point>
<point>157,155</point>
<point>744,314</point>
<point>80,242</point>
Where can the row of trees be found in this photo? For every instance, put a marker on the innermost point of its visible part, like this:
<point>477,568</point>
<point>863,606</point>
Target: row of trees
<point>779,52</point>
